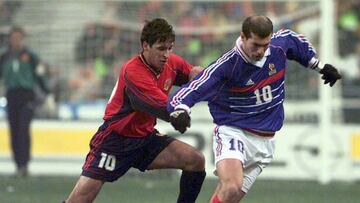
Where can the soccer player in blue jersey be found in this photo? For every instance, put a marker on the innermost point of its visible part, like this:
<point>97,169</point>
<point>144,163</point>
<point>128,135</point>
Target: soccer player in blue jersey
<point>245,93</point>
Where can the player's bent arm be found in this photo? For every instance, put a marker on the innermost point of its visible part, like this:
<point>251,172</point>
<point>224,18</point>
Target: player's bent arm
<point>144,94</point>
<point>140,105</point>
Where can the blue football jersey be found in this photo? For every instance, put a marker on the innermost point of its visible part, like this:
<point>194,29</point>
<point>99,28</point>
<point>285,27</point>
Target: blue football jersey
<point>247,94</point>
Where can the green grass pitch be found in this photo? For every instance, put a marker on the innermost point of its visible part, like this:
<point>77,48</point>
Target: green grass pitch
<point>142,189</point>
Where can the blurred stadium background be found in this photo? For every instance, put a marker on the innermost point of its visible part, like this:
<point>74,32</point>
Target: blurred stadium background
<point>83,43</point>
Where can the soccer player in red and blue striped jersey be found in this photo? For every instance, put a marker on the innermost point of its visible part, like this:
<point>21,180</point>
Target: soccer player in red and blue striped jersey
<point>245,92</point>
<point>128,139</point>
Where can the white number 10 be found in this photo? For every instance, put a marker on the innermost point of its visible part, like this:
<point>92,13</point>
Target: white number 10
<point>108,161</point>
<point>265,93</point>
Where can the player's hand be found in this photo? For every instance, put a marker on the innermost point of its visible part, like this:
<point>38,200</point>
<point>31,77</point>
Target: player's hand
<point>180,120</point>
<point>330,74</point>
<point>194,71</point>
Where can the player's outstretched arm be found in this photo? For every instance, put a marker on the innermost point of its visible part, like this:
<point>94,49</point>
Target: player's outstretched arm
<point>329,74</point>
<point>298,48</point>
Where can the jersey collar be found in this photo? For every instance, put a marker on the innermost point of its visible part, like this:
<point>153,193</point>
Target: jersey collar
<point>157,74</point>
<point>240,50</point>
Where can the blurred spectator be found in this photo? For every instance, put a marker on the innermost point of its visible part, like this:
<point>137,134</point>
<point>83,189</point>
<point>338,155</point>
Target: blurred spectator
<point>349,26</point>
<point>84,88</point>
<point>349,49</point>
<point>22,72</point>
<point>97,49</point>
<point>90,44</point>
<point>85,85</point>
<point>8,10</point>
<point>154,8</point>
<point>47,104</point>
<point>200,26</point>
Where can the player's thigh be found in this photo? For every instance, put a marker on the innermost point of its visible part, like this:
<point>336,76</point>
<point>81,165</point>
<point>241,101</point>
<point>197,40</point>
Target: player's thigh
<point>179,155</point>
<point>230,171</point>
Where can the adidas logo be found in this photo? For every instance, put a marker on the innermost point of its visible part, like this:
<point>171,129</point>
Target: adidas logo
<point>249,82</point>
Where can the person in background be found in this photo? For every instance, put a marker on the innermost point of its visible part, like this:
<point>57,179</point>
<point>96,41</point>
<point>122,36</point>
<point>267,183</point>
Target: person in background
<point>22,72</point>
<point>245,91</point>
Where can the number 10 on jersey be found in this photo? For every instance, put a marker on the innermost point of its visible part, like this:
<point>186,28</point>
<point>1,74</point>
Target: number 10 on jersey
<point>263,95</point>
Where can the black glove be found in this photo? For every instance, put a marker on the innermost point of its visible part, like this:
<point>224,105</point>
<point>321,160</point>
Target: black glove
<point>330,74</point>
<point>180,120</point>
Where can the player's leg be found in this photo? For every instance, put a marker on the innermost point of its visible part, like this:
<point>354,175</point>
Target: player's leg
<point>214,195</point>
<point>105,162</point>
<point>249,176</point>
<point>229,152</point>
<point>85,190</point>
<point>20,113</point>
<point>26,113</point>
<point>13,116</point>
<point>239,157</point>
<point>89,184</point>
<point>229,189</point>
<point>180,155</point>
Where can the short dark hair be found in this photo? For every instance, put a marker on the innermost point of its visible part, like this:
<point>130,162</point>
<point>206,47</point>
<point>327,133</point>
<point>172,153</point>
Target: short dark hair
<point>157,30</point>
<point>17,29</point>
<point>258,25</point>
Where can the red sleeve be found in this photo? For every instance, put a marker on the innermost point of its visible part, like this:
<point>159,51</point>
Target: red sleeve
<point>143,85</point>
<point>183,69</point>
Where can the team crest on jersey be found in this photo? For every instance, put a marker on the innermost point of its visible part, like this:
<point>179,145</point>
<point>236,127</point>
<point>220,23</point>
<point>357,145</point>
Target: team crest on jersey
<point>167,84</point>
<point>272,69</point>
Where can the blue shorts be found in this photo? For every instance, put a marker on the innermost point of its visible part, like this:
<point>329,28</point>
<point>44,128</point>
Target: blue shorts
<point>112,155</point>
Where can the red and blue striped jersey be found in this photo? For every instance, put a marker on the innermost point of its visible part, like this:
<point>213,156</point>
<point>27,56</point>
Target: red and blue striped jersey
<point>139,83</point>
<point>246,94</point>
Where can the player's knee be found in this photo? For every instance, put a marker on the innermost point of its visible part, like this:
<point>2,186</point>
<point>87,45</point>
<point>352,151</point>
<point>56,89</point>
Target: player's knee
<point>200,160</point>
<point>233,189</point>
<point>196,162</point>
<point>85,190</point>
<point>81,198</point>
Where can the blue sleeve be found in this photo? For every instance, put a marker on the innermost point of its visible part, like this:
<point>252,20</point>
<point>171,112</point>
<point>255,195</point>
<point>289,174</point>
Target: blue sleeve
<point>296,47</point>
<point>206,84</point>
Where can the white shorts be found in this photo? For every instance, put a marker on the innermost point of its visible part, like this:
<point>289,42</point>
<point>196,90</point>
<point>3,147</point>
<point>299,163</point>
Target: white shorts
<point>255,152</point>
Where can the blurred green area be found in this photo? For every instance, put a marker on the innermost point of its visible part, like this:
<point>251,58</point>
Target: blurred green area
<point>140,189</point>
